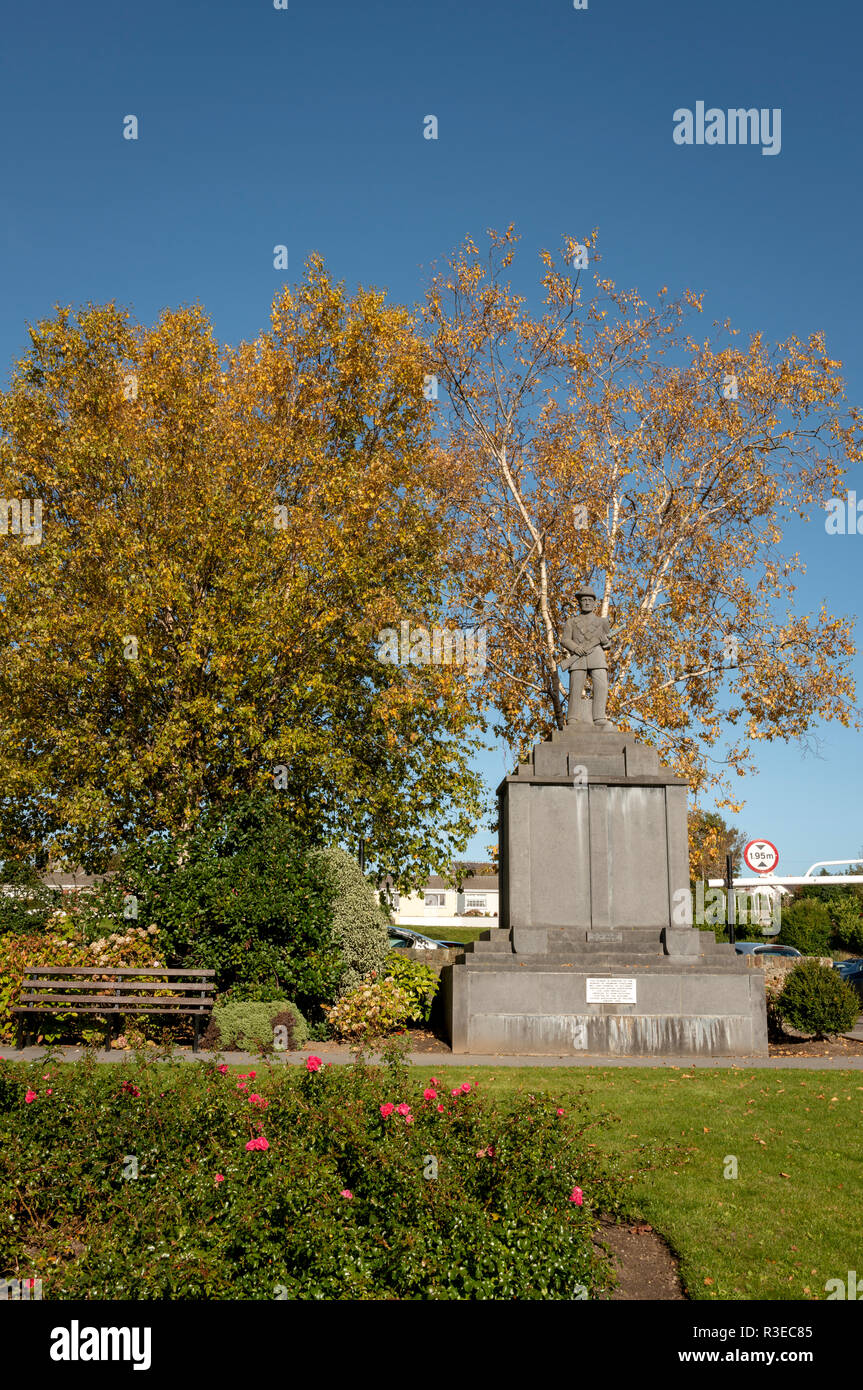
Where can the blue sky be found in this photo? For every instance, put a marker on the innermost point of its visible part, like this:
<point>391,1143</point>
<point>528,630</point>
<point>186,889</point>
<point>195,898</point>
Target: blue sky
<point>304,127</point>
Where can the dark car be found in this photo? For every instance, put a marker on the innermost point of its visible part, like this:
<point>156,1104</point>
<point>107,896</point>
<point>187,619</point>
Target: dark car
<point>403,936</point>
<point>764,948</point>
<point>852,972</point>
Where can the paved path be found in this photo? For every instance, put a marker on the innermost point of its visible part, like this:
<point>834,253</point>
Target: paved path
<point>430,1061</point>
<point>856,1033</point>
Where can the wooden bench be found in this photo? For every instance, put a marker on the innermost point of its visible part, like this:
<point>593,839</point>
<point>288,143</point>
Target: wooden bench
<point>112,993</point>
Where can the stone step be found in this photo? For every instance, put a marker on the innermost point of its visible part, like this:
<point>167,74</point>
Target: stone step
<point>664,965</point>
<point>611,960</point>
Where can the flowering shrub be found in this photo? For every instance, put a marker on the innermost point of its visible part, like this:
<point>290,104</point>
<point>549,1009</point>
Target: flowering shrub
<point>382,1005</point>
<point>333,1197</point>
<point>374,1008</point>
<point>20,952</point>
<point>419,982</point>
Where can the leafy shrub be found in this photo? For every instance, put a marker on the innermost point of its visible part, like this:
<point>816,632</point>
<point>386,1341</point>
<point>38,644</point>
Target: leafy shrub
<point>419,982</point>
<point>360,925</point>
<point>817,1001</point>
<point>772,993</point>
<point>806,925</point>
<point>247,992</point>
<point>242,895</point>
<point>296,1183</point>
<point>249,1026</point>
<point>847,920</point>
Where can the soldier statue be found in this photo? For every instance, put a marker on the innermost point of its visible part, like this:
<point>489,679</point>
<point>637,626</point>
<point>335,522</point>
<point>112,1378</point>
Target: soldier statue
<point>587,636</point>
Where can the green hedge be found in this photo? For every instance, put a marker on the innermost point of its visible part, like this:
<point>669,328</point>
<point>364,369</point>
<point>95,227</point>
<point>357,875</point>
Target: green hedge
<point>817,1001</point>
<point>249,1026</point>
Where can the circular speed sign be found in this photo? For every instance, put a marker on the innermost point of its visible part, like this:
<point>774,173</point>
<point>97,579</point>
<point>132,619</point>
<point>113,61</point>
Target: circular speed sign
<point>761,856</point>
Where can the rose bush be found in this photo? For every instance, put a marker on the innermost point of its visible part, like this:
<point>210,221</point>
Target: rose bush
<point>328,1191</point>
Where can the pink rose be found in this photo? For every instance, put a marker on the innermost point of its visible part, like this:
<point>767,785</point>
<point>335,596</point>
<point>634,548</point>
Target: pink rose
<point>440,1107</point>
<point>255,1099</point>
<point>429,1094</point>
<point>409,1119</point>
<point>223,1069</point>
<point>433,1081</point>
<point>242,1085</point>
<point>31,1095</point>
<point>49,1092</point>
<point>456,1092</point>
<point>348,1196</point>
<point>466,1086</point>
<point>259,1143</point>
<point>313,1064</point>
<point>560,1112</point>
<point>252,1075</point>
<point>403,1109</point>
<point>220,1177</point>
<point>577,1196</point>
<point>387,1109</point>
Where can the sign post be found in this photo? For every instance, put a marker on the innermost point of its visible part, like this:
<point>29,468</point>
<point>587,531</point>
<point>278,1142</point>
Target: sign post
<point>729,897</point>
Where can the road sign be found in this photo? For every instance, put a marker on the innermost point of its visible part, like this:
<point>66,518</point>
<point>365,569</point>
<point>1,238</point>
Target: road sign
<point>761,856</point>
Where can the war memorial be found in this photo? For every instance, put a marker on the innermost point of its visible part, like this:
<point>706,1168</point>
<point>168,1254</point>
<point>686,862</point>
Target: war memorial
<point>593,954</point>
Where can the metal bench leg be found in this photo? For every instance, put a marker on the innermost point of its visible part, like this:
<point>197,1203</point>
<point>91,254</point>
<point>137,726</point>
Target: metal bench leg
<point>19,1040</point>
<point>197,1032</point>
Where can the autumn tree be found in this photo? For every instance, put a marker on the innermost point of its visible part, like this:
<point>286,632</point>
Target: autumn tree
<point>710,839</point>
<point>225,531</point>
<point>596,439</point>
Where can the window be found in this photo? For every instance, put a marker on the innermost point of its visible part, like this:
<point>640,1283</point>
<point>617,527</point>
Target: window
<point>475,902</point>
<point>435,899</point>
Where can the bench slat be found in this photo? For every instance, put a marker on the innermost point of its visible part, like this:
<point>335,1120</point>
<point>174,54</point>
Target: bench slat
<point>109,970</point>
<point>204,988</point>
<point>118,1007</point>
<point>93,998</point>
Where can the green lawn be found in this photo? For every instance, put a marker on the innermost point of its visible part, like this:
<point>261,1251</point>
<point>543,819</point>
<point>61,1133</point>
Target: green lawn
<point>464,934</point>
<point>789,1221</point>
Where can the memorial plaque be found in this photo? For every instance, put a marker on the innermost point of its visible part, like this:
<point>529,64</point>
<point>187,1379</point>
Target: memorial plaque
<point>605,936</point>
<point>605,991</point>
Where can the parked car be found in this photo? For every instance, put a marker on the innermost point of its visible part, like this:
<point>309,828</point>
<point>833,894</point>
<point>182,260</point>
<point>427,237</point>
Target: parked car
<point>764,948</point>
<point>403,936</point>
<point>852,972</point>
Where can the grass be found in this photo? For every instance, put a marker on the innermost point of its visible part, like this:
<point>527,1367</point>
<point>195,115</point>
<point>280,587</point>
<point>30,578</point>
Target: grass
<point>464,934</point>
<point>788,1222</point>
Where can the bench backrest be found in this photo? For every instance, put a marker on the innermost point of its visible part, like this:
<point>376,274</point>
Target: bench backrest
<point>188,991</point>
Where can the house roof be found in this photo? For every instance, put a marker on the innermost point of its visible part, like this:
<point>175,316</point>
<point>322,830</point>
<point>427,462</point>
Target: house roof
<point>476,883</point>
<point>76,879</point>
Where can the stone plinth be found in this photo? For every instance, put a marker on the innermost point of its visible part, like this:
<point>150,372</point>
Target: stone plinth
<point>595,952</point>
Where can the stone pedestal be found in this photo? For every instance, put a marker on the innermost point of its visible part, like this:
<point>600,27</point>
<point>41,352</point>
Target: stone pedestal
<point>595,952</point>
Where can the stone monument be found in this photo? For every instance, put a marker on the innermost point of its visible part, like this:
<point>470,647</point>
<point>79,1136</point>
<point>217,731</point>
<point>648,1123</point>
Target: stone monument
<point>595,952</point>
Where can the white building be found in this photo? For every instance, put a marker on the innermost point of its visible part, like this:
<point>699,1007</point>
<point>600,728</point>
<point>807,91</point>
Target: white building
<point>439,904</point>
